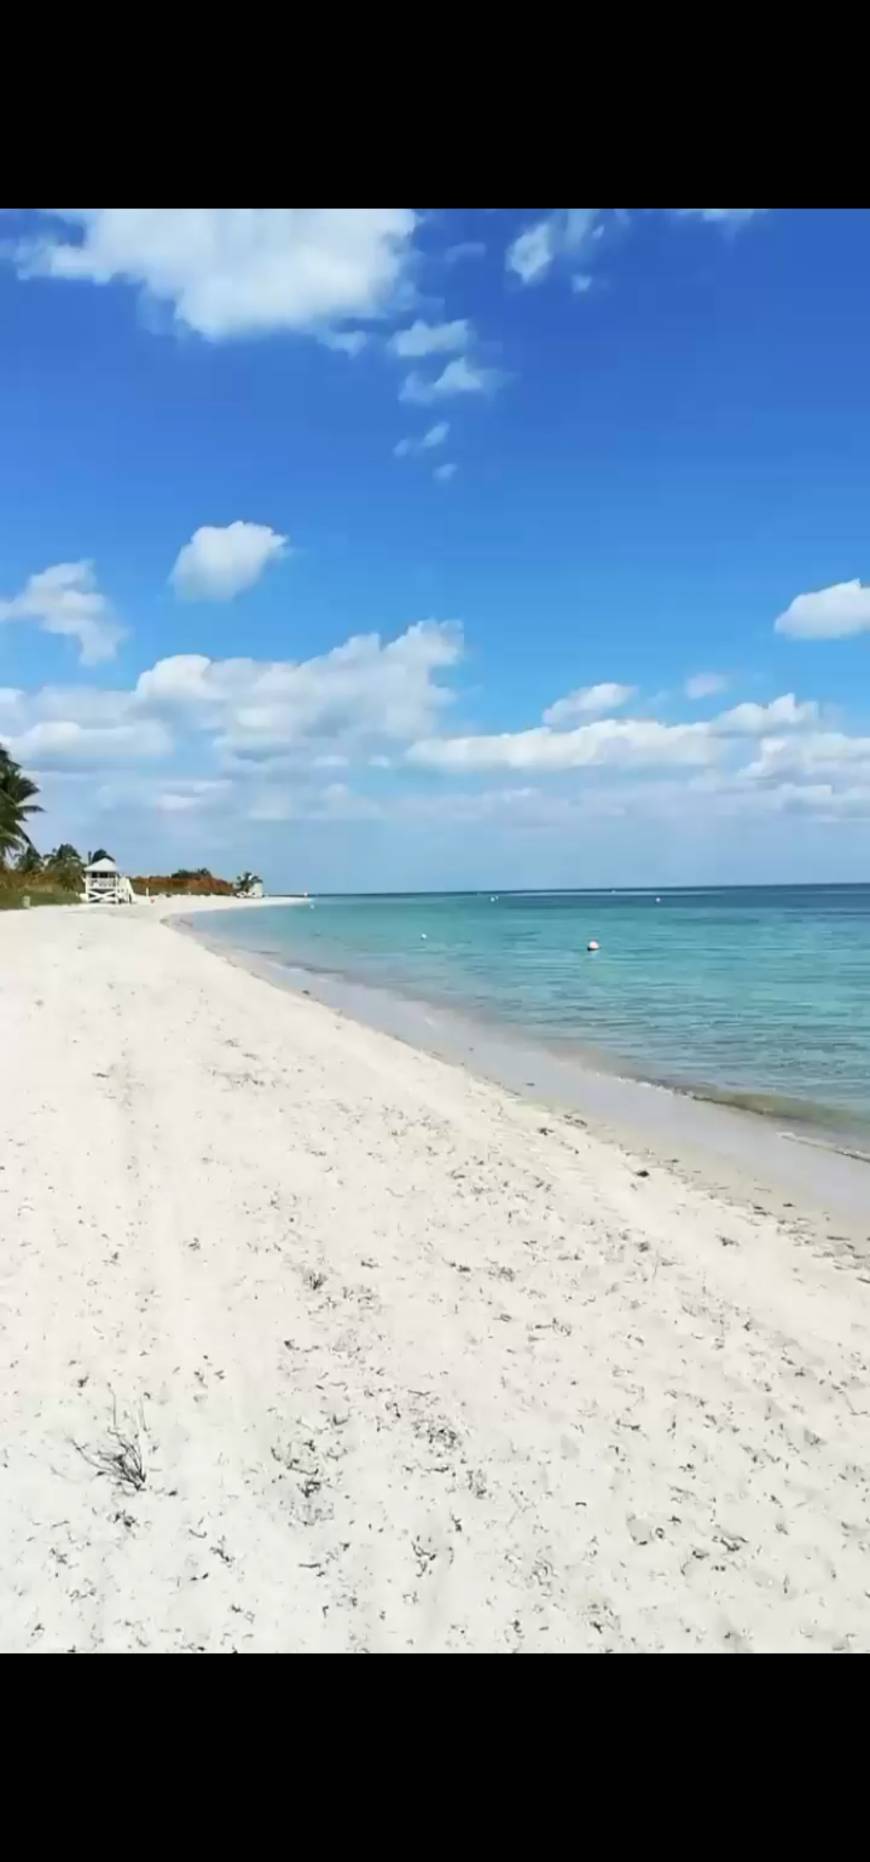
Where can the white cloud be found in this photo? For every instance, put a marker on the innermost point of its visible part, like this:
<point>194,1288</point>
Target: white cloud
<point>835,613</point>
<point>82,704</point>
<point>363,692</point>
<point>444,473</point>
<point>611,743</point>
<point>824,802</point>
<point>234,271</point>
<point>733,217</point>
<point>219,563</point>
<point>782,714</point>
<point>705,685</point>
<point>626,743</point>
<point>591,699</point>
<point>66,745</point>
<point>253,720</point>
<point>461,376</point>
<point>566,232</point>
<point>429,442</point>
<point>829,754</point>
<point>239,739</point>
<point>65,600</point>
<point>431,339</point>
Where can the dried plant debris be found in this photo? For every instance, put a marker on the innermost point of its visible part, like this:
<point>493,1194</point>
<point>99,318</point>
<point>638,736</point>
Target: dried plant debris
<point>121,1458</point>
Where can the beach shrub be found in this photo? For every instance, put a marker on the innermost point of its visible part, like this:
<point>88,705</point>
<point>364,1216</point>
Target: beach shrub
<point>183,884</point>
<point>16,887</point>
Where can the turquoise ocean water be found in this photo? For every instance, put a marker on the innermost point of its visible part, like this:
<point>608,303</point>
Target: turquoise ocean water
<point>757,995</point>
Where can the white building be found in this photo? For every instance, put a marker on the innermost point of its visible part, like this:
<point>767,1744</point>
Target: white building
<point>105,885</point>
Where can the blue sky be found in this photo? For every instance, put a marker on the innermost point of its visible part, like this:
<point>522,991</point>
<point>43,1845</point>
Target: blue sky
<point>386,547</point>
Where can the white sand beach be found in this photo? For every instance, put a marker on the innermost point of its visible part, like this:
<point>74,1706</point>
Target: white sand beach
<point>312,1342</point>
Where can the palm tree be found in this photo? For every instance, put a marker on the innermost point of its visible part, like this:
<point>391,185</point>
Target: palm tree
<point>29,863</point>
<point>17,804</point>
<point>9,841</point>
<point>65,866</point>
<point>246,883</point>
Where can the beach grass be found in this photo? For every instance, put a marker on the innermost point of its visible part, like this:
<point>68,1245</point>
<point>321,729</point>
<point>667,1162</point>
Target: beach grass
<point>12,897</point>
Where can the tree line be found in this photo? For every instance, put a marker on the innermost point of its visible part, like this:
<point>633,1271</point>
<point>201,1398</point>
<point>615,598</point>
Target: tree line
<point>63,869</point>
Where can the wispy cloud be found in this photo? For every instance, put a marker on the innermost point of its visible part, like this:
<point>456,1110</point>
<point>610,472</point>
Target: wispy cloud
<point>589,701</point>
<point>428,442</point>
<point>705,685</point>
<point>431,339</point>
<point>346,342</point>
<point>730,217</point>
<point>460,377</point>
<point>65,600</point>
<point>565,236</point>
<point>566,232</point>
<point>463,250</point>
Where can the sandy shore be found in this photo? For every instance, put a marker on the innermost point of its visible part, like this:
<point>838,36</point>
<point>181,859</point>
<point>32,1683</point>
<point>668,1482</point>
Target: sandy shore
<point>309,1341</point>
<point>188,907</point>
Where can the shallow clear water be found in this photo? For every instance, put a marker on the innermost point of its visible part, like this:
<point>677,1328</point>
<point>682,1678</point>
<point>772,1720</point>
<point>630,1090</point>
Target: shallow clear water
<point>761,995</point>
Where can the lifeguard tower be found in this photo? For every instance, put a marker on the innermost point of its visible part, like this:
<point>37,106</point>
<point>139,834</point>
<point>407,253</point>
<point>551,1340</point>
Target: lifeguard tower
<point>105,885</point>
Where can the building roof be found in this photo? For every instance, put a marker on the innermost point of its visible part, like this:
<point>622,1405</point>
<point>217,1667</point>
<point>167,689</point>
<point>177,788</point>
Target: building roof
<point>102,866</point>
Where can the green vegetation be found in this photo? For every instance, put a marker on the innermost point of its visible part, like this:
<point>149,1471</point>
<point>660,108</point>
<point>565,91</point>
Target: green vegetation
<point>58,878</point>
<point>24,874</point>
<point>12,895</point>
<point>17,804</point>
<point>65,868</point>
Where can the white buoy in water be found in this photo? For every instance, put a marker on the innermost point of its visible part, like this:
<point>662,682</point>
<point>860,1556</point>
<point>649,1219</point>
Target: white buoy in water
<point>424,937</point>
<point>592,946</point>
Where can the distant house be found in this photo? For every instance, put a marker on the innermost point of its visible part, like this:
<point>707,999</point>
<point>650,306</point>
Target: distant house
<point>105,885</point>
